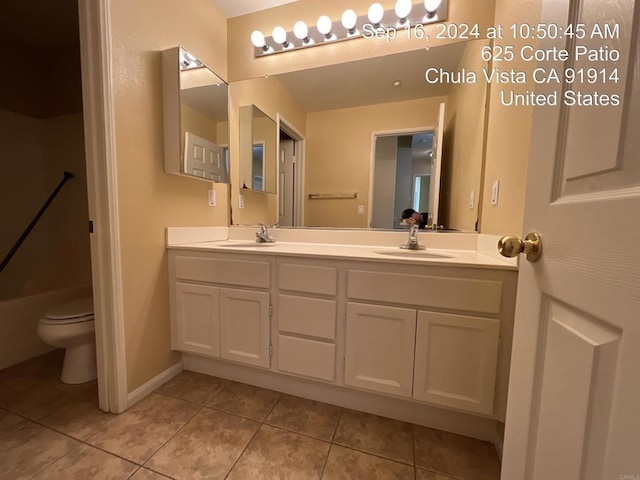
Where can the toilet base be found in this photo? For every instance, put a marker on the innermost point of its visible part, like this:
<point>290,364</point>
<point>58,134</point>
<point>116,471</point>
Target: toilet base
<point>79,364</point>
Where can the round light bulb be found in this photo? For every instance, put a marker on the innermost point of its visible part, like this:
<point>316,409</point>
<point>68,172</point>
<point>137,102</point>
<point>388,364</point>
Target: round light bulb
<point>375,13</point>
<point>257,38</point>
<point>349,19</point>
<point>324,25</point>
<point>300,30</point>
<point>403,8</point>
<point>279,35</point>
<point>431,6</point>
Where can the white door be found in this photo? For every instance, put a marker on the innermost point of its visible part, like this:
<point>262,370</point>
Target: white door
<point>379,348</point>
<point>436,164</point>
<point>244,326</point>
<point>286,187</point>
<point>203,158</point>
<point>574,392</point>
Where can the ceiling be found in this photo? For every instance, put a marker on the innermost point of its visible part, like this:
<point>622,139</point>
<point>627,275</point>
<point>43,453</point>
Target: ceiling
<point>370,81</point>
<point>235,8</point>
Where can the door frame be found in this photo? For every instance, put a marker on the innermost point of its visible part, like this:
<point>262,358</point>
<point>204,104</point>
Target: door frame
<point>298,181</point>
<point>372,157</point>
<point>100,151</point>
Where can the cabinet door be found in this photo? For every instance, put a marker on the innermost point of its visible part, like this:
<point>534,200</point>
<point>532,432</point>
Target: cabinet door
<point>380,346</point>
<point>197,323</point>
<point>456,359</point>
<point>244,326</point>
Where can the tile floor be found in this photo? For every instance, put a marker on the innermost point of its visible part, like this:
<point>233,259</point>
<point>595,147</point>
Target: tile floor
<point>200,427</point>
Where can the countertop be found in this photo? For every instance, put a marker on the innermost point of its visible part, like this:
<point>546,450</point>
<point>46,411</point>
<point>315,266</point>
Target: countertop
<point>440,257</point>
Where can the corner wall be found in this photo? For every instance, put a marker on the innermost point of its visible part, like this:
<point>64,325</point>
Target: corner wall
<point>508,134</point>
<point>149,199</point>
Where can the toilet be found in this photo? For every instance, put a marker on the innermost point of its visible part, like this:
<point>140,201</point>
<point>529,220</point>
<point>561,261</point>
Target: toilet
<point>71,326</point>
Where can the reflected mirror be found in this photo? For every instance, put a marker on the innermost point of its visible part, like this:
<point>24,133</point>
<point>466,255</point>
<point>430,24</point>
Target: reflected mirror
<point>258,150</point>
<point>196,118</point>
<point>345,107</point>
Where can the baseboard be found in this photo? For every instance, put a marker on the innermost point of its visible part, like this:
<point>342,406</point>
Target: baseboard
<point>157,381</point>
<point>386,406</point>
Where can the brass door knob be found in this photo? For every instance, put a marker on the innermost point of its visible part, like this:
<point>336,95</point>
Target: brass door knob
<point>531,246</point>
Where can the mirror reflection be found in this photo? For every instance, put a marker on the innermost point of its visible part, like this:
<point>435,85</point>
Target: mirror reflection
<point>347,107</point>
<point>196,109</point>
<point>258,150</point>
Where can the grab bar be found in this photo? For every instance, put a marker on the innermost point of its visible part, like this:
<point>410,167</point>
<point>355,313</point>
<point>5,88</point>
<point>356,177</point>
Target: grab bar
<point>25,234</point>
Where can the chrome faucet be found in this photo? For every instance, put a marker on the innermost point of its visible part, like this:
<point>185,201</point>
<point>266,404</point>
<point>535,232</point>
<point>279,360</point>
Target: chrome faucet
<point>262,235</point>
<point>412,243</point>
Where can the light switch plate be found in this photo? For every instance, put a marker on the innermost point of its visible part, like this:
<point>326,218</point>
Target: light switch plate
<point>472,199</point>
<point>240,201</point>
<point>360,209</point>
<point>211,197</point>
<point>495,190</point>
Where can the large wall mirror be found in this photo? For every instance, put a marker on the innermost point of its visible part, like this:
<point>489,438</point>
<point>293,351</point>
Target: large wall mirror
<point>196,118</point>
<point>355,109</point>
<point>258,150</point>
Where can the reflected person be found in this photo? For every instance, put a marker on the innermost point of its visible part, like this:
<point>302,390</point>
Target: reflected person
<point>411,217</point>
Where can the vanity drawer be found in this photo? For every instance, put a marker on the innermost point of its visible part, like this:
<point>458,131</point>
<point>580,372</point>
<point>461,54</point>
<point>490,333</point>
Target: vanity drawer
<point>308,279</point>
<point>307,316</point>
<point>217,270</point>
<point>473,295</point>
<point>306,357</point>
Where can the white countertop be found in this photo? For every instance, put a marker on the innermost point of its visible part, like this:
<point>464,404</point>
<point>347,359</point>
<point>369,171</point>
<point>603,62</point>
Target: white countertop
<point>386,254</point>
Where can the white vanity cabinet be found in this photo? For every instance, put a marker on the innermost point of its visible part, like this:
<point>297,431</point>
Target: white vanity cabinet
<point>221,306</point>
<point>429,335</point>
<point>307,313</point>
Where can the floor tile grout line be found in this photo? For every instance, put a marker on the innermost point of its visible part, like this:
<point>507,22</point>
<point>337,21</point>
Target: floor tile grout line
<point>170,438</point>
<point>377,455</point>
<point>335,430</point>
<point>326,460</point>
<point>51,463</point>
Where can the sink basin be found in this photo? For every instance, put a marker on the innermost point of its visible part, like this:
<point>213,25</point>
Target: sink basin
<point>248,245</point>
<point>412,253</point>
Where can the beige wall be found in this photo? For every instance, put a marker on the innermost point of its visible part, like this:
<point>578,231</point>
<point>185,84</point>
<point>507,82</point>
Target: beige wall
<point>508,135</point>
<point>337,163</point>
<point>149,199</point>
<point>198,123</point>
<point>464,144</point>
<point>272,98</point>
<point>242,63</point>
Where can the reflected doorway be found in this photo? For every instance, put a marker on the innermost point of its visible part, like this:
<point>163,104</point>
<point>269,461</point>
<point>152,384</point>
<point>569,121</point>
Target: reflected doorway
<point>402,176</point>
<point>290,174</point>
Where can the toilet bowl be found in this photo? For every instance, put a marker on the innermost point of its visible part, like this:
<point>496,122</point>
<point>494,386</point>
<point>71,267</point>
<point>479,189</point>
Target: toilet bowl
<point>71,326</point>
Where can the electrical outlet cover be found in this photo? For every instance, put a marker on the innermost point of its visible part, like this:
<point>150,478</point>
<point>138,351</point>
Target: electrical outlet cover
<point>495,190</point>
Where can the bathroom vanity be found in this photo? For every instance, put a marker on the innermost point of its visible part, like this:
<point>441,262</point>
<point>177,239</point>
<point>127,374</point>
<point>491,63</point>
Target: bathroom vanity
<point>430,327</point>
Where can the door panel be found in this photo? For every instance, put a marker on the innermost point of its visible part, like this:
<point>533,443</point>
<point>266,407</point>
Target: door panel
<point>198,321</point>
<point>244,326</point>
<point>380,347</point>
<point>456,360</point>
<point>574,385</point>
<point>204,158</point>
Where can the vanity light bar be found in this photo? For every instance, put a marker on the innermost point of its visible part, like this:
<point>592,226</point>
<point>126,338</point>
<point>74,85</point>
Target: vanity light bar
<point>349,26</point>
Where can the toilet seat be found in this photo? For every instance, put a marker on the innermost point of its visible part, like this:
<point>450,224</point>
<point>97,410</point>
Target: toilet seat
<point>76,311</point>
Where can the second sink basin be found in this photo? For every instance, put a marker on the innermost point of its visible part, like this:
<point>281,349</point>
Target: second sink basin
<point>248,245</point>
<point>412,253</point>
